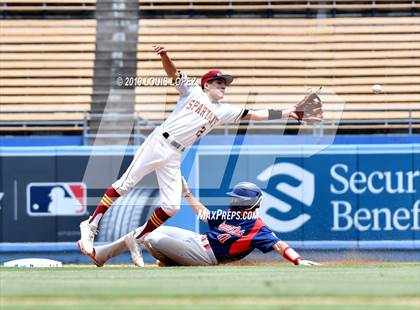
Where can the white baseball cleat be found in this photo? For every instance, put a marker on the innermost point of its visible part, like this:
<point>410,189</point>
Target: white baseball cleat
<point>134,245</point>
<point>87,235</point>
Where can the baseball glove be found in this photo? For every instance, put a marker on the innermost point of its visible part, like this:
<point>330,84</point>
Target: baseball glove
<point>309,109</point>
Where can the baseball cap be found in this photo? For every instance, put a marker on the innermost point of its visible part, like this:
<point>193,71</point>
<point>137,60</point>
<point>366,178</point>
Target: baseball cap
<point>215,75</point>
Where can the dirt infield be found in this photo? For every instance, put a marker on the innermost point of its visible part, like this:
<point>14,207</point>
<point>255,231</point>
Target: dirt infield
<point>238,301</point>
<point>248,263</point>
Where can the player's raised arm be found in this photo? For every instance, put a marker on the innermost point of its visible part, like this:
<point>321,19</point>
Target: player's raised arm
<point>291,255</point>
<point>308,109</point>
<point>196,205</point>
<point>167,63</point>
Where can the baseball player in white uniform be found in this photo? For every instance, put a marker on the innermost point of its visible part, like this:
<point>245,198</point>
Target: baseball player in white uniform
<point>198,110</point>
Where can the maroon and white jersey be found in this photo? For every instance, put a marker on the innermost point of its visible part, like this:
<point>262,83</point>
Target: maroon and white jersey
<point>194,115</point>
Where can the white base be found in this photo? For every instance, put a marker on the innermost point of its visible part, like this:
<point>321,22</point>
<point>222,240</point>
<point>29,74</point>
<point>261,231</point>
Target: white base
<point>33,263</point>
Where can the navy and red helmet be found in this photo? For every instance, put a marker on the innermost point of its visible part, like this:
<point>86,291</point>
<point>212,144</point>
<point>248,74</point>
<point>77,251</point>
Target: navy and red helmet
<point>245,196</point>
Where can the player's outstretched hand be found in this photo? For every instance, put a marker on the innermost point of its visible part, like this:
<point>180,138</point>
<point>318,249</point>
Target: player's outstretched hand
<point>305,262</point>
<point>160,50</point>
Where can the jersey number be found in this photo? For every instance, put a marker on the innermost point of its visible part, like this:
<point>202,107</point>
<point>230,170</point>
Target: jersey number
<point>223,238</point>
<point>200,132</point>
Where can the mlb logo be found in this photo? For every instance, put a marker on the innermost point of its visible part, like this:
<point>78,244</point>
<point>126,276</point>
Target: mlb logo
<point>51,199</point>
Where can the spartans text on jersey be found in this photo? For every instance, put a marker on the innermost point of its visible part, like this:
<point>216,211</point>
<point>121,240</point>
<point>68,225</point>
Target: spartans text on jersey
<point>203,111</point>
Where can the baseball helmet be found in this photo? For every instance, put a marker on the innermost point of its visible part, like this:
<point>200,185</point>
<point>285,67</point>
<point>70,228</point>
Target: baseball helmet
<point>245,196</point>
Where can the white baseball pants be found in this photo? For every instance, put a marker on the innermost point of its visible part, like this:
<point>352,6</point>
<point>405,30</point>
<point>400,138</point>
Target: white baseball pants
<point>156,154</point>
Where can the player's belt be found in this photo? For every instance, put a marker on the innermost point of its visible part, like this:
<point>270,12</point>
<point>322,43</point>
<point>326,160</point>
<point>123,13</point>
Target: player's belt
<point>205,243</point>
<point>172,142</point>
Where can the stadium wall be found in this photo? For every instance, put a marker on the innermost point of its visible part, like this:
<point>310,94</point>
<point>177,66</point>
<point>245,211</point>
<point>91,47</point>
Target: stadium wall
<point>319,197</point>
<point>77,140</point>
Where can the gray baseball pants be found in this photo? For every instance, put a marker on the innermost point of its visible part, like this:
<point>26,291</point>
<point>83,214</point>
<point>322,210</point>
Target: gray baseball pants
<point>172,246</point>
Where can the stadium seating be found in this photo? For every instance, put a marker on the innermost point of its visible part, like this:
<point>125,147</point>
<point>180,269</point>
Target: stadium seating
<point>276,5</point>
<point>46,66</point>
<point>273,6</point>
<point>46,6</point>
<point>276,60</point>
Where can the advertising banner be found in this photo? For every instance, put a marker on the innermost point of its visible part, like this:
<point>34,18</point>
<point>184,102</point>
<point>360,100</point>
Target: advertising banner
<point>350,193</point>
<point>345,193</point>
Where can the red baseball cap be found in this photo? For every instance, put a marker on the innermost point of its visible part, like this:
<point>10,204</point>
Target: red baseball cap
<point>215,75</point>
